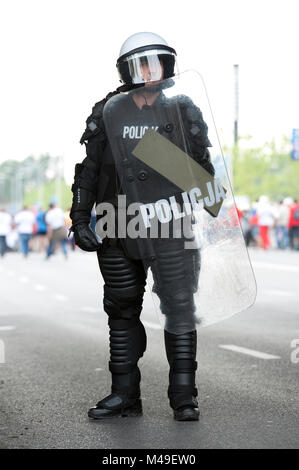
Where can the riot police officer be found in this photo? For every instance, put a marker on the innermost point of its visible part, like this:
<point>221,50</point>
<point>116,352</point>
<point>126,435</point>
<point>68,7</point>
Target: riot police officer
<point>145,61</point>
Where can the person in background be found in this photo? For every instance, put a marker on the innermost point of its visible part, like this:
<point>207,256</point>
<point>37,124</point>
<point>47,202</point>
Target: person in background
<point>68,223</point>
<point>12,238</point>
<point>5,227</point>
<point>254,224</point>
<point>25,221</point>
<point>56,230</point>
<point>266,219</point>
<point>41,233</point>
<point>281,226</point>
<point>246,227</point>
<point>294,226</point>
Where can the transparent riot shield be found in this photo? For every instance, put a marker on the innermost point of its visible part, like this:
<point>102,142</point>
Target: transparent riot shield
<point>176,207</point>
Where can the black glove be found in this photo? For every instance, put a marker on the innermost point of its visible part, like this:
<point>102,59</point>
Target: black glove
<point>85,238</point>
<point>83,200</point>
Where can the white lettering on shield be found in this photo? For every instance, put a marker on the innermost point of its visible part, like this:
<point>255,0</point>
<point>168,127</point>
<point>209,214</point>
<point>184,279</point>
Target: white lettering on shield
<point>136,132</point>
<point>167,210</point>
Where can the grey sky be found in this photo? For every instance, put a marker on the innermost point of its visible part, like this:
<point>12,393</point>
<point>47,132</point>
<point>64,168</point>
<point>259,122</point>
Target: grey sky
<point>58,58</point>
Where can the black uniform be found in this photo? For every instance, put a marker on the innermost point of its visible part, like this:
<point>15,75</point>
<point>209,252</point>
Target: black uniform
<point>97,180</point>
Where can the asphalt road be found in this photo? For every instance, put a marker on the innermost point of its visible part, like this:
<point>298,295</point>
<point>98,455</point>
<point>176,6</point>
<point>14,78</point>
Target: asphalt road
<point>54,355</point>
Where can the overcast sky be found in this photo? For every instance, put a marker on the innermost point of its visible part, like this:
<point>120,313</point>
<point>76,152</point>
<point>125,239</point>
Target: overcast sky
<point>58,58</point>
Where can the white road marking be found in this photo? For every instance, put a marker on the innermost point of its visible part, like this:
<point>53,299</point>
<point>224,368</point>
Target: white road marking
<point>7,328</point>
<point>90,309</point>
<point>153,326</point>
<point>249,352</point>
<point>279,267</point>
<point>2,352</point>
<point>279,292</point>
<point>39,287</point>
<point>60,297</point>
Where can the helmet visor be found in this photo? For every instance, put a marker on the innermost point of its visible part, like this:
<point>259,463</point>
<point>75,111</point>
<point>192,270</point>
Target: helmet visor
<point>145,66</point>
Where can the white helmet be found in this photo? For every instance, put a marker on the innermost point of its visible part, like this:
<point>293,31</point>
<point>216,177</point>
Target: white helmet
<point>145,57</point>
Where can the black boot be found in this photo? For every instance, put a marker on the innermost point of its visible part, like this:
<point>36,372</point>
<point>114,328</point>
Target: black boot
<point>127,345</point>
<point>182,391</point>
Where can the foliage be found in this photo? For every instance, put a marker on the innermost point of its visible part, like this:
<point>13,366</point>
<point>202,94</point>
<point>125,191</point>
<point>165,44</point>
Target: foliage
<point>265,170</point>
<point>16,177</point>
<point>56,190</point>
<point>32,181</point>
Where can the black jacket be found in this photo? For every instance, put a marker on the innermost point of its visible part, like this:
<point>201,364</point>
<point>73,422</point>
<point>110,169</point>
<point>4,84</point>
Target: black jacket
<point>97,172</point>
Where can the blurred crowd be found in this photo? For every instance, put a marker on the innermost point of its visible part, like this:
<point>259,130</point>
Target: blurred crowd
<point>266,224</point>
<point>36,230</point>
<point>270,224</point>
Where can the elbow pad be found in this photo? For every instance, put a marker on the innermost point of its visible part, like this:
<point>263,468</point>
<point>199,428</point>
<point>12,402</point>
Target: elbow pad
<point>83,200</point>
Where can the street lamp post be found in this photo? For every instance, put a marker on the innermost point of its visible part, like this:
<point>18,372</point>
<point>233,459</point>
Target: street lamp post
<point>236,99</point>
<point>236,122</point>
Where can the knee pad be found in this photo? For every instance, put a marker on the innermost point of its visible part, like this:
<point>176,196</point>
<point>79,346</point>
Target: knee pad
<point>124,284</point>
<point>179,310</point>
<point>177,302</point>
<point>123,302</point>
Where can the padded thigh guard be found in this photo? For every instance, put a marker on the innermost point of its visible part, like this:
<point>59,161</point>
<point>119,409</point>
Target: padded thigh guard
<point>175,274</point>
<point>124,283</point>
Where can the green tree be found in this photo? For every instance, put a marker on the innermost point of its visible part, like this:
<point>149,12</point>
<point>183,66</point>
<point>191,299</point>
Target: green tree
<point>55,189</point>
<point>265,170</point>
<point>33,180</point>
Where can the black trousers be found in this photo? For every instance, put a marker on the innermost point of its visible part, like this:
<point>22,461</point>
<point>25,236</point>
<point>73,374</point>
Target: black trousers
<point>175,273</point>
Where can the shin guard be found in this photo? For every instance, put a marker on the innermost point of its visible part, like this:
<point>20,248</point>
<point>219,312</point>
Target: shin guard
<point>127,345</point>
<point>181,354</point>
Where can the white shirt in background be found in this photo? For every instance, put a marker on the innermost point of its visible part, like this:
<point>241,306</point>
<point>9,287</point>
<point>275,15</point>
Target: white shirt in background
<point>25,220</point>
<point>5,223</point>
<point>283,215</point>
<point>55,218</point>
<point>12,239</point>
<point>266,214</point>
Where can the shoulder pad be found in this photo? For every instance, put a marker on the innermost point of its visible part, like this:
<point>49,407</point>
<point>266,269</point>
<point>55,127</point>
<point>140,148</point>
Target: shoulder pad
<point>193,115</point>
<point>183,100</point>
<point>94,122</point>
